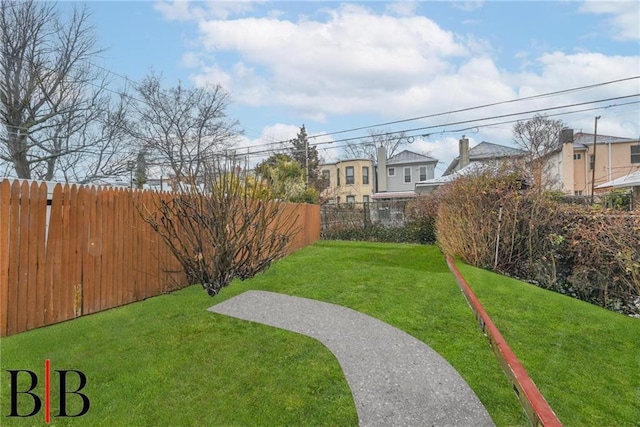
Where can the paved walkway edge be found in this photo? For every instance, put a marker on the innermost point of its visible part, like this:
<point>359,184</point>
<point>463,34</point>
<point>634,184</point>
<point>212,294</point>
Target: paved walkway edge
<point>395,379</point>
<point>533,402</point>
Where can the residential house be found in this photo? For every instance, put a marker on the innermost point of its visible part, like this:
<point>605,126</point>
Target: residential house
<point>630,182</point>
<point>397,175</point>
<point>468,161</point>
<point>578,166</point>
<point>483,152</point>
<point>348,181</point>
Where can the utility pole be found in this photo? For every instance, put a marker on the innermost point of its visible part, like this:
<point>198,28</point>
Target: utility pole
<point>306,158</point>
<point>593,170</point>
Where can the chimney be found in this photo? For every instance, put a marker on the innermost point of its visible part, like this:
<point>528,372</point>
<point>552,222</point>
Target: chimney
<point>382,169</point>
<point>566,136</point>
<point>463,160</point>
<point>567,166</point>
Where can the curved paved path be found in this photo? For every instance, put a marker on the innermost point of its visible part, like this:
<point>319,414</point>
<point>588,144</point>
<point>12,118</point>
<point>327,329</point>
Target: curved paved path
<point>395,379</point>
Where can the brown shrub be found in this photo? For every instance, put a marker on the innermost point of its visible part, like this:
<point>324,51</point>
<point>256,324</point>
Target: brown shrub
<point>592,254</point>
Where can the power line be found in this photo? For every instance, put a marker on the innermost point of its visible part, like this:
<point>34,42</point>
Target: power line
<point>544,95</point>
<point>238,153</point>
<point>472,120</point>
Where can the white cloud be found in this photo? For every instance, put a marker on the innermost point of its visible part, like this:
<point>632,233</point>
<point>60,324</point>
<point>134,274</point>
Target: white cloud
<point>402,8</point>
<point>468,6</point>
<point>624,21</point>
<point>212,74</point>
<point>349,63</point>
<point>191,60</point>
<point>176,10</point>
<point>185,10</point>
<point>358,62</point>
<point>445,149</point>
<point>273,139</point>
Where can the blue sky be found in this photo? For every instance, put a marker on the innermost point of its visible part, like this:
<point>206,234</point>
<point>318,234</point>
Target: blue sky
<point>340,65</point>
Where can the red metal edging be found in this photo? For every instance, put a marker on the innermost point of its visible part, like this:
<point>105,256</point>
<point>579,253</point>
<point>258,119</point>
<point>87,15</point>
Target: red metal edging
<point>533,402</point>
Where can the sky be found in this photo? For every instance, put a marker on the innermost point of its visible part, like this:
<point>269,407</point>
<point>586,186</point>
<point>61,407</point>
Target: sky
<point>335,66</point>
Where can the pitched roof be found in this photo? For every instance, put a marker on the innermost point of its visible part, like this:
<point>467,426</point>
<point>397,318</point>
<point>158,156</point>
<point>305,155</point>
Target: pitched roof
<point>489,150</point>
<point>581,138</point>
<point>483,151</point>
<point>470,168</point>
<point>407,156</point>
<point>630,180</point>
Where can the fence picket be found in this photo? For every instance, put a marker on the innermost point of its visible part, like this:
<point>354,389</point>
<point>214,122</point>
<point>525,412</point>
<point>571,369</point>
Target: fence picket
<point>75,249</point>
<point>41,237</point>
<point>5,230</point>
<point>63,284</point>
<point>13,258</point>
<point>23,263</point>
<point>90,285</point>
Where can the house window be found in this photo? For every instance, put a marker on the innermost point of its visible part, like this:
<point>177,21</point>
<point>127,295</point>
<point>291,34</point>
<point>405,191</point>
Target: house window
<point>365,199</point>
<point>338,200</point>
<point>326,177</point>
<point>407,174</point>
<point>592,161</point>
<point>391,171</point>
<point>351,200</point>
<point>338,180</point>
<point>577,156</point>
<point>635,154</point>
<point>349,173</point>
<point>578,193</point>
<point>423,173</point>
<point>365,175</point>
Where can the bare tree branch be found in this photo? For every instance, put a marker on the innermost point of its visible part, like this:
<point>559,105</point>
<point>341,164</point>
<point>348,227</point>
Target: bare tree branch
<point>538,137</point>
<point>367,149</point>
<point>182,128</point>
<point>53,103</point>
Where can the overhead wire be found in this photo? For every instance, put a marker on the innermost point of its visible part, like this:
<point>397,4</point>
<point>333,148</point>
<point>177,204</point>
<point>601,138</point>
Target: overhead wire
<point>239,152</point>
<point>468,121</point>
<point>461,110</point>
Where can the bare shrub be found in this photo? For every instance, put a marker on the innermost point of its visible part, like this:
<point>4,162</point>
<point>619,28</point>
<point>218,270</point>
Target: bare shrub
<point>584,252</point>
<point>604,252</point>
<point>223,226</point>
<point>467,220</point>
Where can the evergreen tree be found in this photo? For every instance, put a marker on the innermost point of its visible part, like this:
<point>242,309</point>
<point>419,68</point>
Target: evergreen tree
<point>307,157</point>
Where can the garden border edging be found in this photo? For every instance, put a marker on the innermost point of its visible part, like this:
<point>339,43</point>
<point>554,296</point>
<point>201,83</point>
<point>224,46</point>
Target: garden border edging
<point>533,402</point>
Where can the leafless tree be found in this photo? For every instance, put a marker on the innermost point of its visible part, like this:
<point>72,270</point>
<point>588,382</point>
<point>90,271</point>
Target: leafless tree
<point>367,148</point>
<point>539,137</point>
<point>54,108</point>
<point>223,228</point>
<point>181,128</point>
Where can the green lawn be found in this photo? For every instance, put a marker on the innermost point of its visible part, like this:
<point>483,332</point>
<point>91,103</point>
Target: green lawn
<point>167,361</point>
<point>584,359</point>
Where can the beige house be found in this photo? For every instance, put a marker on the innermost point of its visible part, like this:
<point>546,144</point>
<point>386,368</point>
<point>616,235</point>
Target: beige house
<point>576,169</point>
<point>348,181</point>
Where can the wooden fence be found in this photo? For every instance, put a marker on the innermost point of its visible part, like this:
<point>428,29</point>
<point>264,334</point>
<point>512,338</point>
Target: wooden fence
<point>84,249</point>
